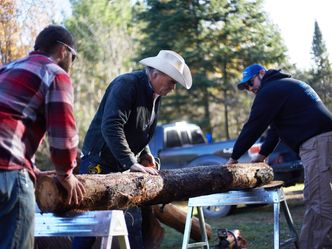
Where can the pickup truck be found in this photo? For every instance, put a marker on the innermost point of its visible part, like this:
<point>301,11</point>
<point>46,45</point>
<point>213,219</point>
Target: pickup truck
<point>182,145</point>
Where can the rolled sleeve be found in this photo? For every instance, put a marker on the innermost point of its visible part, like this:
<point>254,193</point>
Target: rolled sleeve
<point>61,125</point>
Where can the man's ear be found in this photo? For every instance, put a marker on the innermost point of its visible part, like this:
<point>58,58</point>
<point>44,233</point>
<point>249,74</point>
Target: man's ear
<point>60,52</point>
<point>154,74</point>
<point>261,73</point>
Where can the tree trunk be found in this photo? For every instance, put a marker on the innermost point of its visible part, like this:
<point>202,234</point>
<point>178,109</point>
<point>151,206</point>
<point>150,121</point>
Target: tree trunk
<point>123,190</point>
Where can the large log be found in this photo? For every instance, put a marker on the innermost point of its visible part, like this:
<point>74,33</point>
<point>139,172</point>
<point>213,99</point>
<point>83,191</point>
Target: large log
<point>123,190</point>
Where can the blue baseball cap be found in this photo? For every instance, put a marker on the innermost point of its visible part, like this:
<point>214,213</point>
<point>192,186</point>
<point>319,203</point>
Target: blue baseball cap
<point>248,73</point>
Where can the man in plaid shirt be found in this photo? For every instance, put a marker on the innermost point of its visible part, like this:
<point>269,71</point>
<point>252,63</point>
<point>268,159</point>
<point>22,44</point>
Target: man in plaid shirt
<point>36,97</point>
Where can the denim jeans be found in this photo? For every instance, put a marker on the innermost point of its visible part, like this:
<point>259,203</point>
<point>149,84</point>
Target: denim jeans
<point>133,216</point>
<point>17,210</point>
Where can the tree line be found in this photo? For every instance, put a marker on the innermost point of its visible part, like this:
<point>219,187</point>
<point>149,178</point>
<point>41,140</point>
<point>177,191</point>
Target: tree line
<point>218,38</point>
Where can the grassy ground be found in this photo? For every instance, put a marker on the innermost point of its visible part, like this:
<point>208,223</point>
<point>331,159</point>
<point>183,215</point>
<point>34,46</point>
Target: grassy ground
<point>254,221</point>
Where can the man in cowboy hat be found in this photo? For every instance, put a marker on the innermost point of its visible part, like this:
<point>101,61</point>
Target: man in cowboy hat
<point>118,136</point>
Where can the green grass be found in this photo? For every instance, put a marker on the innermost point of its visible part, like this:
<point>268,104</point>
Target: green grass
<point>254,221</point>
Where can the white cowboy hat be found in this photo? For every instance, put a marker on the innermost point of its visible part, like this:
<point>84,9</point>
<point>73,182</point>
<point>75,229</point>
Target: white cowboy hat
<point>172,64</point>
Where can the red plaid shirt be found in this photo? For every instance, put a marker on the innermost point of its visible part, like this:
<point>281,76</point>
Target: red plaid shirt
<point>36,96</point>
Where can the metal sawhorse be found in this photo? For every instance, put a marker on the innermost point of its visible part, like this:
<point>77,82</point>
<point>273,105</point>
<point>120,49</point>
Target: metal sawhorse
<point>105,224</point>
<point>268,194</point>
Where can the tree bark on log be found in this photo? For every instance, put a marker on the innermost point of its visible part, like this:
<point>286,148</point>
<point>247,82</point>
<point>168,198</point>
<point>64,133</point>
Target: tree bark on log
<point>128,189</point>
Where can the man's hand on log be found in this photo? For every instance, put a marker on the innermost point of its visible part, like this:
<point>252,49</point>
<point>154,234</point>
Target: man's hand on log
<point>40,173</point>
<point>148,160</point>
<point>258,158</point>
<point>136,167</point>
<point>231,161</point>
<point>75,189</point>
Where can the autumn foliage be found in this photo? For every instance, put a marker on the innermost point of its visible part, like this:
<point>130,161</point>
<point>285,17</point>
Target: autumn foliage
<point>8,32</point>
<point>20,22</point>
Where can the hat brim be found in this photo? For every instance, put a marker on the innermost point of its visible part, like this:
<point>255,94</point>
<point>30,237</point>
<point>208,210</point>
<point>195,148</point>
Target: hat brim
<point>241,85</point>
<point>184,79</point>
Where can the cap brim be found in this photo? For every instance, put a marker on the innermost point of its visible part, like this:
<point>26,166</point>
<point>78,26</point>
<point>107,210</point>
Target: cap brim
<point>241,86</point>
<point>184,79</point>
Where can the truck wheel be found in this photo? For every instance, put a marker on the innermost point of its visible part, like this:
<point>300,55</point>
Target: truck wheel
<point>212,211</point>
<point>217,211</point>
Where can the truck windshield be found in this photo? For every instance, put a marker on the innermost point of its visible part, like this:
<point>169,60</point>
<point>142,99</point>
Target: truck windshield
<point>172,139</point>
<point>197,137</point>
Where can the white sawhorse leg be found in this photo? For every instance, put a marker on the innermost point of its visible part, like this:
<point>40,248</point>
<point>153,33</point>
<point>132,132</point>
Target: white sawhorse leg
<point>187,229</point>
<point>105,224</point>
<point>117,229</point>
<point>276,226</point>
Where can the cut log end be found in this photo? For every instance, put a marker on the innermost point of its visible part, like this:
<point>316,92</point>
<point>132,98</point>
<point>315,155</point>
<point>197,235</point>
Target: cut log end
<point>48,193</point>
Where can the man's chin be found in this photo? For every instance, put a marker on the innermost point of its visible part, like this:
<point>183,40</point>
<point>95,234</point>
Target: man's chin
<point>167,93</point>
<point>64,66</point>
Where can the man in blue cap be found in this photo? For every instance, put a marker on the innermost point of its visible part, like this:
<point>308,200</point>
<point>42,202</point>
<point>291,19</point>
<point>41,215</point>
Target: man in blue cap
<point>249,75</point>
<point>296,115</point>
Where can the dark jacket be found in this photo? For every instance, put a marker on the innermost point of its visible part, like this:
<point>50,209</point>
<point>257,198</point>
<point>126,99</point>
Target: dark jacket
<point>293,110</point>
<point>120,130</point>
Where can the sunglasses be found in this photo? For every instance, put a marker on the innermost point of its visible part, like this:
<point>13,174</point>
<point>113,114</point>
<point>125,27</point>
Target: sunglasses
<point>70,49</point>
<point>250,83</point>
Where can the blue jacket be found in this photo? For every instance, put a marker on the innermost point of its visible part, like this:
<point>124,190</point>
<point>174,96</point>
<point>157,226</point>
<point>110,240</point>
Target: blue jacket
<point>120,130</point>
<point>290,107</point>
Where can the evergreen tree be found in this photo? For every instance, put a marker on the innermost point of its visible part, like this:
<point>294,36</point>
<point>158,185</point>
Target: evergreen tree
<point>218,38</point>
<point>104,34</point>
<point>321,71</point>
<point>176,25</point>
